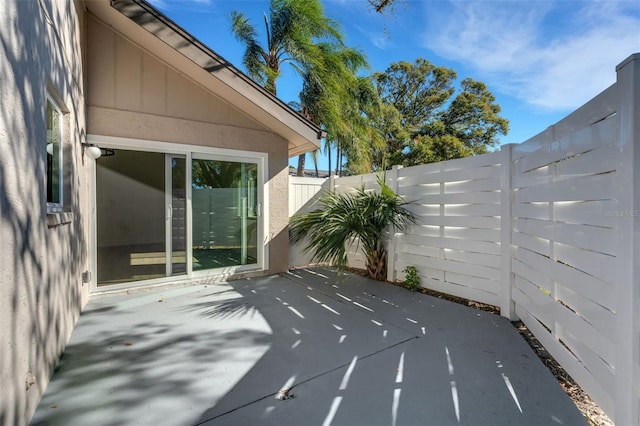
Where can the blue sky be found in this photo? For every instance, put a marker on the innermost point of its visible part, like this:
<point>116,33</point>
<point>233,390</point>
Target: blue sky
<point>541,59</point>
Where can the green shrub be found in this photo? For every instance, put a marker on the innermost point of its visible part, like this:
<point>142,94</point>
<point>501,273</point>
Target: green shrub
<point>411,279</point>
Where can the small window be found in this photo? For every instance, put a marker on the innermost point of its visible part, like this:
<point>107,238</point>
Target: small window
<point>54,157</point>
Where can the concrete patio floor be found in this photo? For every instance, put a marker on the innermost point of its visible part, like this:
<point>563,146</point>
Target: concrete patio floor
<point>351,350</point>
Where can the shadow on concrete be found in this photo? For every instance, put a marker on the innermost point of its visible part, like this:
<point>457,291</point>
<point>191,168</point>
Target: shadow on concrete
<point>339,349</point>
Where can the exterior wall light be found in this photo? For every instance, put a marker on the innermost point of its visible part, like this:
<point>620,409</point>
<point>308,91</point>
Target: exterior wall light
<point>92,151</point>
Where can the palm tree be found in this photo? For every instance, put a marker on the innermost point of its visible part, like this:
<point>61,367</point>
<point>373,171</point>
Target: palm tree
<point>299,34</point>
<point>345,218</point>
<point>335,97</point>
<point>292,28</point>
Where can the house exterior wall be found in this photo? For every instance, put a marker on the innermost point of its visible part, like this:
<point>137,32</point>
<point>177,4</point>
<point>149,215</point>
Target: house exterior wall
<point>42,256</point>
<point>132,94</point>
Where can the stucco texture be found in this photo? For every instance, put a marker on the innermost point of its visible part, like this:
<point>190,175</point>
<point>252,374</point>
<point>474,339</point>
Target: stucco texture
<point>41,290</point>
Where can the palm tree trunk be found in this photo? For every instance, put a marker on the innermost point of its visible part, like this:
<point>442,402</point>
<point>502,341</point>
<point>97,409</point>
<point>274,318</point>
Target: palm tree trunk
<point>301,159</point>
<point>377,264</point>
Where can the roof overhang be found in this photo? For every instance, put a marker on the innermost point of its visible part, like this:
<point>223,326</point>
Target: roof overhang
<point>141,23</point>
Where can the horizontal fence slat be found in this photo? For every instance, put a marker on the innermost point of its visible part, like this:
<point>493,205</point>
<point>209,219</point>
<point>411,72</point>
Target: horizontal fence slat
<point>449,265</point>
<point>424,209</point>
<point>529,242</point>
<point>593,238</point>
<point>596,213</point>
<point>483,160</point>
<point>472,210</point>
<point>425,272</point>
<point>596,161</point>
<point>451,243</point>
<point>594,313</point>
<point>461,221</point>
<point>450,176</point>
<point>473,258</point>
<point>484,284</point>
<point>402,248</point>
<point>574,279</point>
<point>586,188</point>
<point>473,234</point>
<point>454,289</point>
<point>491,184</point>
<point>596,264</point>
<point>575,368</point>
<point>540,211</point>
<point>487,197</point>
<point>551,313</point>
<point>414,193</point>
<point>602,105</point>
<point>581,141</point>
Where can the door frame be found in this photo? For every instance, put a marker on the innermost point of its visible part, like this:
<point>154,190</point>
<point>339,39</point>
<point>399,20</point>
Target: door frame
<point>259,158</point>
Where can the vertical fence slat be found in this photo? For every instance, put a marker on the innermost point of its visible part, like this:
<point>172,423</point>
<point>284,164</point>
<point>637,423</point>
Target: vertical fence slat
<point>507,306</point>
<point>627,392</point>
<point>392,241</point>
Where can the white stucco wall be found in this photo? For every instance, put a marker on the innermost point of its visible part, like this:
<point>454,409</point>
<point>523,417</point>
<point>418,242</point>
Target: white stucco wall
<point>41,290</point>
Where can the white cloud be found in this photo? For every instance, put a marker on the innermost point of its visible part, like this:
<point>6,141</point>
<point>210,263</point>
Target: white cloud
<point>553,55</point>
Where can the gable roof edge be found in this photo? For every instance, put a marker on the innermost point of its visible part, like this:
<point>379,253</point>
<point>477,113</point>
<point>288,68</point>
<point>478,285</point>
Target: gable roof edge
<point>223,77</point>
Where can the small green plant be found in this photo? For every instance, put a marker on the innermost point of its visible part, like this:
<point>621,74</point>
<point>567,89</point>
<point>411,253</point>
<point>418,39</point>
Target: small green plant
<point>411,279</point>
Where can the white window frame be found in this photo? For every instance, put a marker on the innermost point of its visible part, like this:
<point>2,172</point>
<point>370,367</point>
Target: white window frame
<point>56,207</point>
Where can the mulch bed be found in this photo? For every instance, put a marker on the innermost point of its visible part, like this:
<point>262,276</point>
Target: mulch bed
<point>589,409</point>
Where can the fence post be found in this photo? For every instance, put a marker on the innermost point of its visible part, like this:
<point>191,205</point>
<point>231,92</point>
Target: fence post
<point>627,339</point>
<point>507,306</point>
<point>392,181</point>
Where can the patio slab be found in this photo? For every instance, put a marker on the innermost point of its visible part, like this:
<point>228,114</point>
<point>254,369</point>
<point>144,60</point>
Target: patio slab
<point>351,350</point>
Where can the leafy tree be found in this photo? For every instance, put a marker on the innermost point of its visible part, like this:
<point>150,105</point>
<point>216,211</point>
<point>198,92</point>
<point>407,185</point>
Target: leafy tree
<point>344,219</point>
<point>423,122</point>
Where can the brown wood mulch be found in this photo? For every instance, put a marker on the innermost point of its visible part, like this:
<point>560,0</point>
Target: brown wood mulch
<point>589,409</point>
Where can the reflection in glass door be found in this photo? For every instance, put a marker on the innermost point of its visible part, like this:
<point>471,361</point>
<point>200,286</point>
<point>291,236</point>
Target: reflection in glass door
<point>224,213</point>
<point>130,217</point>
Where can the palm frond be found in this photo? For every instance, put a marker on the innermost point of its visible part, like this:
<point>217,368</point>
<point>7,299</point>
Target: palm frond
<point>362,216</point>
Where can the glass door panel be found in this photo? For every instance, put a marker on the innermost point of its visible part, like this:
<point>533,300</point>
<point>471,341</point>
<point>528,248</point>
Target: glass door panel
<point>224,213</point>
<point>130,217</point>
<point>177,209</point>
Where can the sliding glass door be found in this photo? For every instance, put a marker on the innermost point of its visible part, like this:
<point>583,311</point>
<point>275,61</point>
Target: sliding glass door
<point>161,215</point>
<point>224,213</point>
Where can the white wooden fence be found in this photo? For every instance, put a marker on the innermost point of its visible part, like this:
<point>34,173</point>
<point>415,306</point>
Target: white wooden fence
<point>549,231</point>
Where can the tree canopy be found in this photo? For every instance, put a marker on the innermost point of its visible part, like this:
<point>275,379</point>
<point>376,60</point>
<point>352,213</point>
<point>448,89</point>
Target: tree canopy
<point>412,113</point>
<point>425,119</point>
